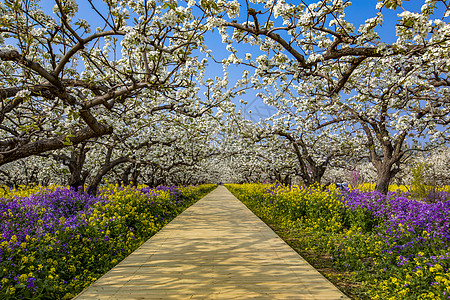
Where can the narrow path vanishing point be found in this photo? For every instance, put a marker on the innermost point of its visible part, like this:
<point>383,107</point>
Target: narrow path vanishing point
<point>216,249</point>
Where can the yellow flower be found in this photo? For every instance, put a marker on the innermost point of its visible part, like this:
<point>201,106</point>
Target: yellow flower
<point>419,273</point>
<point>23,277</point>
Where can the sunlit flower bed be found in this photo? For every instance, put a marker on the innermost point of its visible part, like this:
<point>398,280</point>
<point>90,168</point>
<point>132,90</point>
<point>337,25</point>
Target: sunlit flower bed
<point>54,241</point>
<point>367,187</point>
<point>397,248</point>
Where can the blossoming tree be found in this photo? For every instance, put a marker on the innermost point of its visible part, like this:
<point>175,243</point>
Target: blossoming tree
<point>381,92</point>
<point>63,78</point>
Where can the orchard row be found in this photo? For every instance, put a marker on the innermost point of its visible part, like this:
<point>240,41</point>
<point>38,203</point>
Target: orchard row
<point>140,91</point>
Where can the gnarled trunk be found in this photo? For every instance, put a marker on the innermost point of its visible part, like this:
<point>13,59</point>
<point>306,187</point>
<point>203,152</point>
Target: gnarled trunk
<point>384,176</point>
<point>309,170</point>
<point>385,173</point>
<point>106,167</point>
<point>75,164</point>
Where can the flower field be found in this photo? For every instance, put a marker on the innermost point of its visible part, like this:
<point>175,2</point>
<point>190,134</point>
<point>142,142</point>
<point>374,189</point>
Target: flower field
<point>54,241</point>
<point>385,247</point>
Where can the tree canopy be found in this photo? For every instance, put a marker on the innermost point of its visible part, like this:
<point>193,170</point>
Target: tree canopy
<point>133,91</point>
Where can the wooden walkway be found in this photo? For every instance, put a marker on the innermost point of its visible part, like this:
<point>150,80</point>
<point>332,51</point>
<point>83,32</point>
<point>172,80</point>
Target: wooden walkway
<point>216,249</point>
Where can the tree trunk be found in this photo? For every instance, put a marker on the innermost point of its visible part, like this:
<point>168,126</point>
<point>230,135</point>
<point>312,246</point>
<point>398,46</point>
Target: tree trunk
<point>93,186</point>
<point>312,175</point>
<point>76,180</point>
<point>317,173</point>
<point>124,179</point>
<point>310,171</point>
<point>75,164</point>
<point>384,176</point>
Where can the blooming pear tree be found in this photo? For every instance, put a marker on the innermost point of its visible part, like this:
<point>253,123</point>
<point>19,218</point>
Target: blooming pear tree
<point>435,167</point>
<point>316,140</point>
<point>179,146</point>
<point>62,78</point>
<point>255,155</point>
<point>172,152</point>
<point>382,93</point>
<point>155,151</point>
<point>399,113</point>
<point>33,170</point>
<point>124,100</point>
